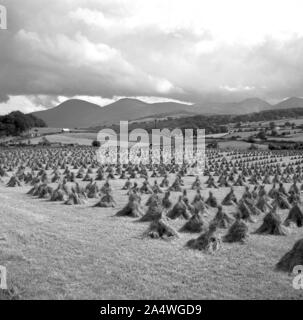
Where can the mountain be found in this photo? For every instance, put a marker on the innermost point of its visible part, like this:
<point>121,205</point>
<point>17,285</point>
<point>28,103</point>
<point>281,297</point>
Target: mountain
<point>290,103</point>
<point>246,106</point>
<point>250,105</point>
<point>70,114</point>
<point>130,109</point>
<point>78,113</point>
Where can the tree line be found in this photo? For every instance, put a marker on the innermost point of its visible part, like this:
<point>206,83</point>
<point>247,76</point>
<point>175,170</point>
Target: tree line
<point>17,122</point>
<point>218,123</point>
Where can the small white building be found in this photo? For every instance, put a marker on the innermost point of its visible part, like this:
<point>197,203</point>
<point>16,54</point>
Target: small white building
<point>65,130</point>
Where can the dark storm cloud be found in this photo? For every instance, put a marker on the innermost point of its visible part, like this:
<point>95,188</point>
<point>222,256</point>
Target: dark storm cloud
<point>147,48</point>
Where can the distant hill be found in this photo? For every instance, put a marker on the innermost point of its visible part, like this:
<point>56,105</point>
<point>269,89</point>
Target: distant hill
<point>290,103</point>
<point>82,114</point>
<point>71,114</point>
<point>131,109</point>
<point>78,113</point>
<point>242,107</point>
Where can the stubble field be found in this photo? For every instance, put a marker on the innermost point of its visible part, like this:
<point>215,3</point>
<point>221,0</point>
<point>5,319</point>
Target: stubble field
<point>55,251</point>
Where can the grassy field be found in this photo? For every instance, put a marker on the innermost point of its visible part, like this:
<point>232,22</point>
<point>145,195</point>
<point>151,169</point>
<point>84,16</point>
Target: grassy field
<point>50,130</point>
<point>65,138</point>
<point>45,130</point>
<point>297,137</point>
<point>240,145</point>
<point>242,135</point>
<point>54,251</point>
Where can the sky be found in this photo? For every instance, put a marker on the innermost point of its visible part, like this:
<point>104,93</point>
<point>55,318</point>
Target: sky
<point>156,50</point>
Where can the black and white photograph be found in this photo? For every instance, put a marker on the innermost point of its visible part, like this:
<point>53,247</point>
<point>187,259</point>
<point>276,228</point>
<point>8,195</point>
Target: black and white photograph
<point>151,150</point>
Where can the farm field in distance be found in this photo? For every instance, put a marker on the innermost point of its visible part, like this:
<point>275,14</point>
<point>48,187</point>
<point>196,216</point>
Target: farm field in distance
<point>241,145</point>
<point>84,139</point>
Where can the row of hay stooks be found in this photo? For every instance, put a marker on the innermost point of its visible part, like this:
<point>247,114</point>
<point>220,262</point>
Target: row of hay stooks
<point>257,168</point>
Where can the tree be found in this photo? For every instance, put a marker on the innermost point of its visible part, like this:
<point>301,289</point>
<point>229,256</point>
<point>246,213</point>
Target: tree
<point>17,122</point>
<point>274,133</point>
<point>272,125</point>
<point>213,145</point>
<point>223,129</point>
<point>251,139</point>
<point>261,135</point>
<point>253,147</point>
<point>45,141</point>
<point>96,143</point>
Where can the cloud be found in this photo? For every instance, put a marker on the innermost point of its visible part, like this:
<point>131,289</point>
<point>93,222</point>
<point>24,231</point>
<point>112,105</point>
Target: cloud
<point>184,50</point>
<point>33,103</point>
<point>21,103</point>
<point>237,89</point>
<point>104,101</point>
<point>3,98</point>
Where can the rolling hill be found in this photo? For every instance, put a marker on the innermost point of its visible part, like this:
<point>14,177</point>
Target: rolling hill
<point>290,103</point>
<point>82,114</point>
<point>246,106</point>
<point>131,109</point>
<point>78,113</point>
<point>71,114</point>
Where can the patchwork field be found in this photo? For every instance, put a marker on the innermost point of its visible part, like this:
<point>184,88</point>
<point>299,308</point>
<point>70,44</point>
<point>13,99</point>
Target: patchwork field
<point>55,251</point>
<point>241,145</point>
<point>298,137</point>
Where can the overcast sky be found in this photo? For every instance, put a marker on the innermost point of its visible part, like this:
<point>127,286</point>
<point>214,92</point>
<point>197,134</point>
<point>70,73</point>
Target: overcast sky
<point>184,50</point>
